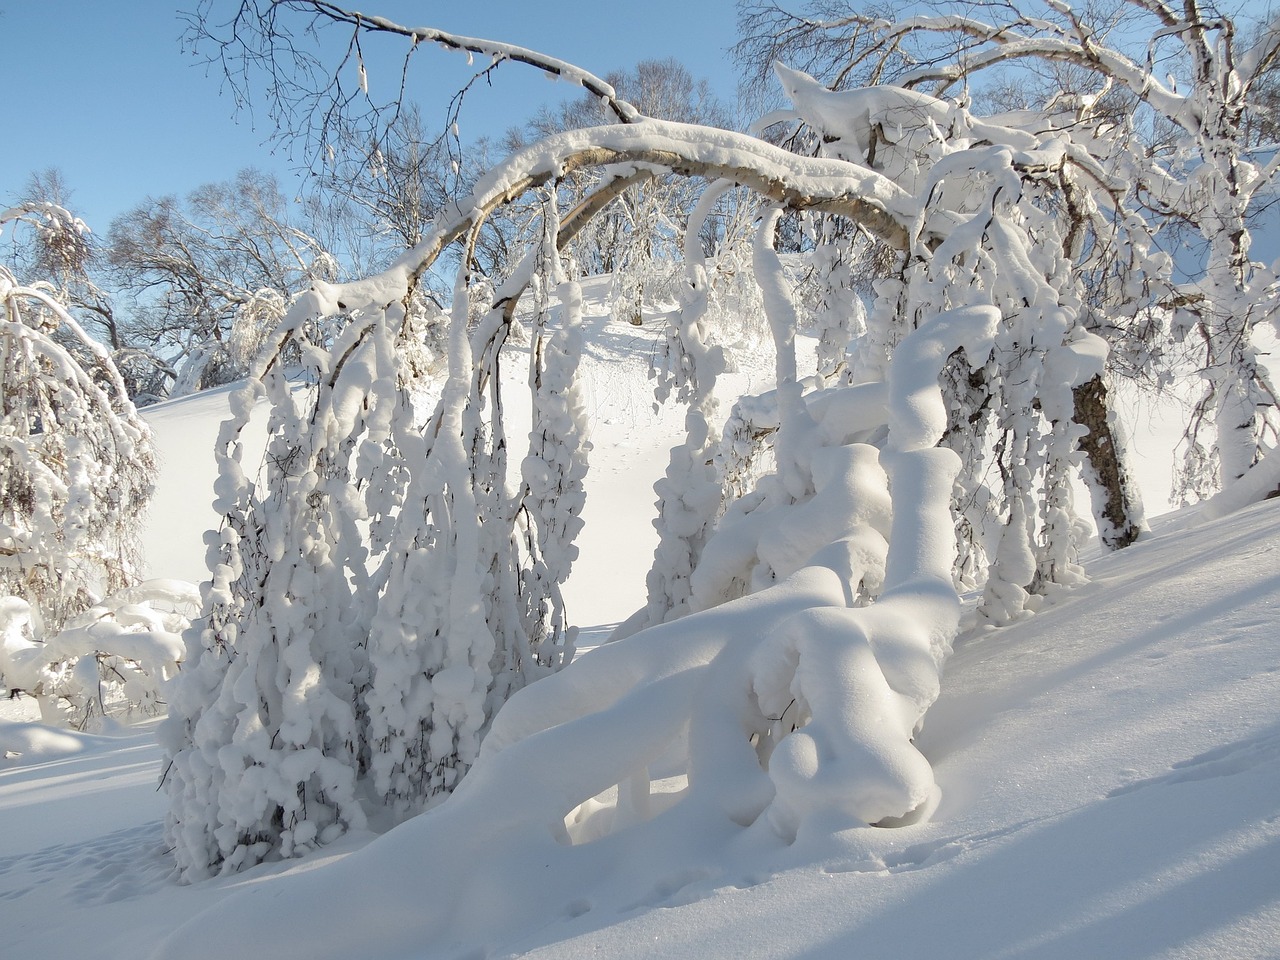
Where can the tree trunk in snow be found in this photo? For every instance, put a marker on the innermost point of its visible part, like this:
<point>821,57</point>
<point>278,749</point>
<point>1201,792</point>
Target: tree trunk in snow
<point>1117,506</point>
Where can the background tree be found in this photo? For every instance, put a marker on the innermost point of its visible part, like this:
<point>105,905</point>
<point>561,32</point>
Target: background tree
<point>637,238</point>
<point>77,268</point>
<point>189,267</point>
<point>326,106</point>
<point>1188,70</point>
<point>370,202</point>
<point>71,260</point>
<point>76,461</point>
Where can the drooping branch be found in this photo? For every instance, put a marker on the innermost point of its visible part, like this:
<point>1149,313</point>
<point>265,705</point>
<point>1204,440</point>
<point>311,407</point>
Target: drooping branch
<point>507,296</point>
<point>875,202</point>
<point>320,103</point>
<point>494,49</point>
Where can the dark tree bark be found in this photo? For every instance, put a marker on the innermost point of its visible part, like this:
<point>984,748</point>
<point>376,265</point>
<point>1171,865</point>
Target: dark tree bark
<point>1117,506</point>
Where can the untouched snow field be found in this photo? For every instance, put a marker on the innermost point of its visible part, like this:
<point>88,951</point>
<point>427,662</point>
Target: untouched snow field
<point>1110,773</point>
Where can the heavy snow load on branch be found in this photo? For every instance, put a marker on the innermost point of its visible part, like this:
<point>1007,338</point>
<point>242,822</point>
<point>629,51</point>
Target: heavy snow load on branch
<point>112,661</point>
<point>387,586</point>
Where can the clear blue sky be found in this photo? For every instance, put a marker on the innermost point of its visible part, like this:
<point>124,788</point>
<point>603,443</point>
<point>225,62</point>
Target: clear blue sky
<point>102,90</point>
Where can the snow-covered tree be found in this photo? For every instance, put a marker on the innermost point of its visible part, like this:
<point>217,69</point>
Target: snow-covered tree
<point>76,473</point>
<point>1188,69</point>
<point>77,461</point>
<point>457,532</point>
<point>202,271</point>
<point>447,606</point>
<point>382,599</point>
<point>69,260</point>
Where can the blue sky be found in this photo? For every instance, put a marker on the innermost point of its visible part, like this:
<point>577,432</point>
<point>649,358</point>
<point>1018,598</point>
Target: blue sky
<point>101,89</point>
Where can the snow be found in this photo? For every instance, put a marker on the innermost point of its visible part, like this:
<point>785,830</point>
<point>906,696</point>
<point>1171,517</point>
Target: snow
<point>182,508</point>
<point>1108,774</point>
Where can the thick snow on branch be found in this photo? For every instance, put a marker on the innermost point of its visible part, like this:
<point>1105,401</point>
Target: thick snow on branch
<point>799,182</point>
<point>1004,43</point>
<point>784,712</point>
<point>111,660</point>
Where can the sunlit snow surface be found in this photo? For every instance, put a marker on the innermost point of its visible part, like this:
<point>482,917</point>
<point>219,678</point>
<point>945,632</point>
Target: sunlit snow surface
<point>1110,772</point>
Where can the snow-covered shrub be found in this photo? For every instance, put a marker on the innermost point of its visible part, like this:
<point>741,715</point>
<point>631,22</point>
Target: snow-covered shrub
<point>112,661</point>
<point>76,461</point>
<point>735,313</point>
<point>264,729</point>
<point>645,282</point>
<point>424,349</point>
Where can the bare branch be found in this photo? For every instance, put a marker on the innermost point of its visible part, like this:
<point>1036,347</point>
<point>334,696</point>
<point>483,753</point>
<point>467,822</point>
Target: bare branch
<point>316,103</point>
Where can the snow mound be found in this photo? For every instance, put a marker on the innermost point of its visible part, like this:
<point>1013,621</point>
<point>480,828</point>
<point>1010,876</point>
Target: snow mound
<point>27,743</point>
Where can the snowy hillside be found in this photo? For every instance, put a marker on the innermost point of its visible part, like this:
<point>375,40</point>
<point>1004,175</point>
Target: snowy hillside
<point>1110,775</point>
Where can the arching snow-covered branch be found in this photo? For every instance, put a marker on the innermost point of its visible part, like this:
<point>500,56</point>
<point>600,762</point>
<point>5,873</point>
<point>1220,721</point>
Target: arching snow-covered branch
<point>432,623</point>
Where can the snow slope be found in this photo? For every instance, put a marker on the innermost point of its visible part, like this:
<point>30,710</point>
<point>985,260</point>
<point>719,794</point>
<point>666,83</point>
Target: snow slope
<point>1110,772</point>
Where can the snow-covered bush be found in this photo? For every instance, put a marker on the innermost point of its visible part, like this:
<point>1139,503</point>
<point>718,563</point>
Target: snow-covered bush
<point>112,661</point>
<point>649,283</point>
<point>76,460</point>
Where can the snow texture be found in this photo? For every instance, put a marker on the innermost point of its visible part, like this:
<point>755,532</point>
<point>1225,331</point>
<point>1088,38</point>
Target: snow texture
<point>1107,774</point>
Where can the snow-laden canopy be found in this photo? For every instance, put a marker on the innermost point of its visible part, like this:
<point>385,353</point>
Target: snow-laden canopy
<point>332,668</point>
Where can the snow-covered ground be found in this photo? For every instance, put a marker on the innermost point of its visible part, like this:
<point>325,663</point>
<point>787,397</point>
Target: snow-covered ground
<point>1110,771</point>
